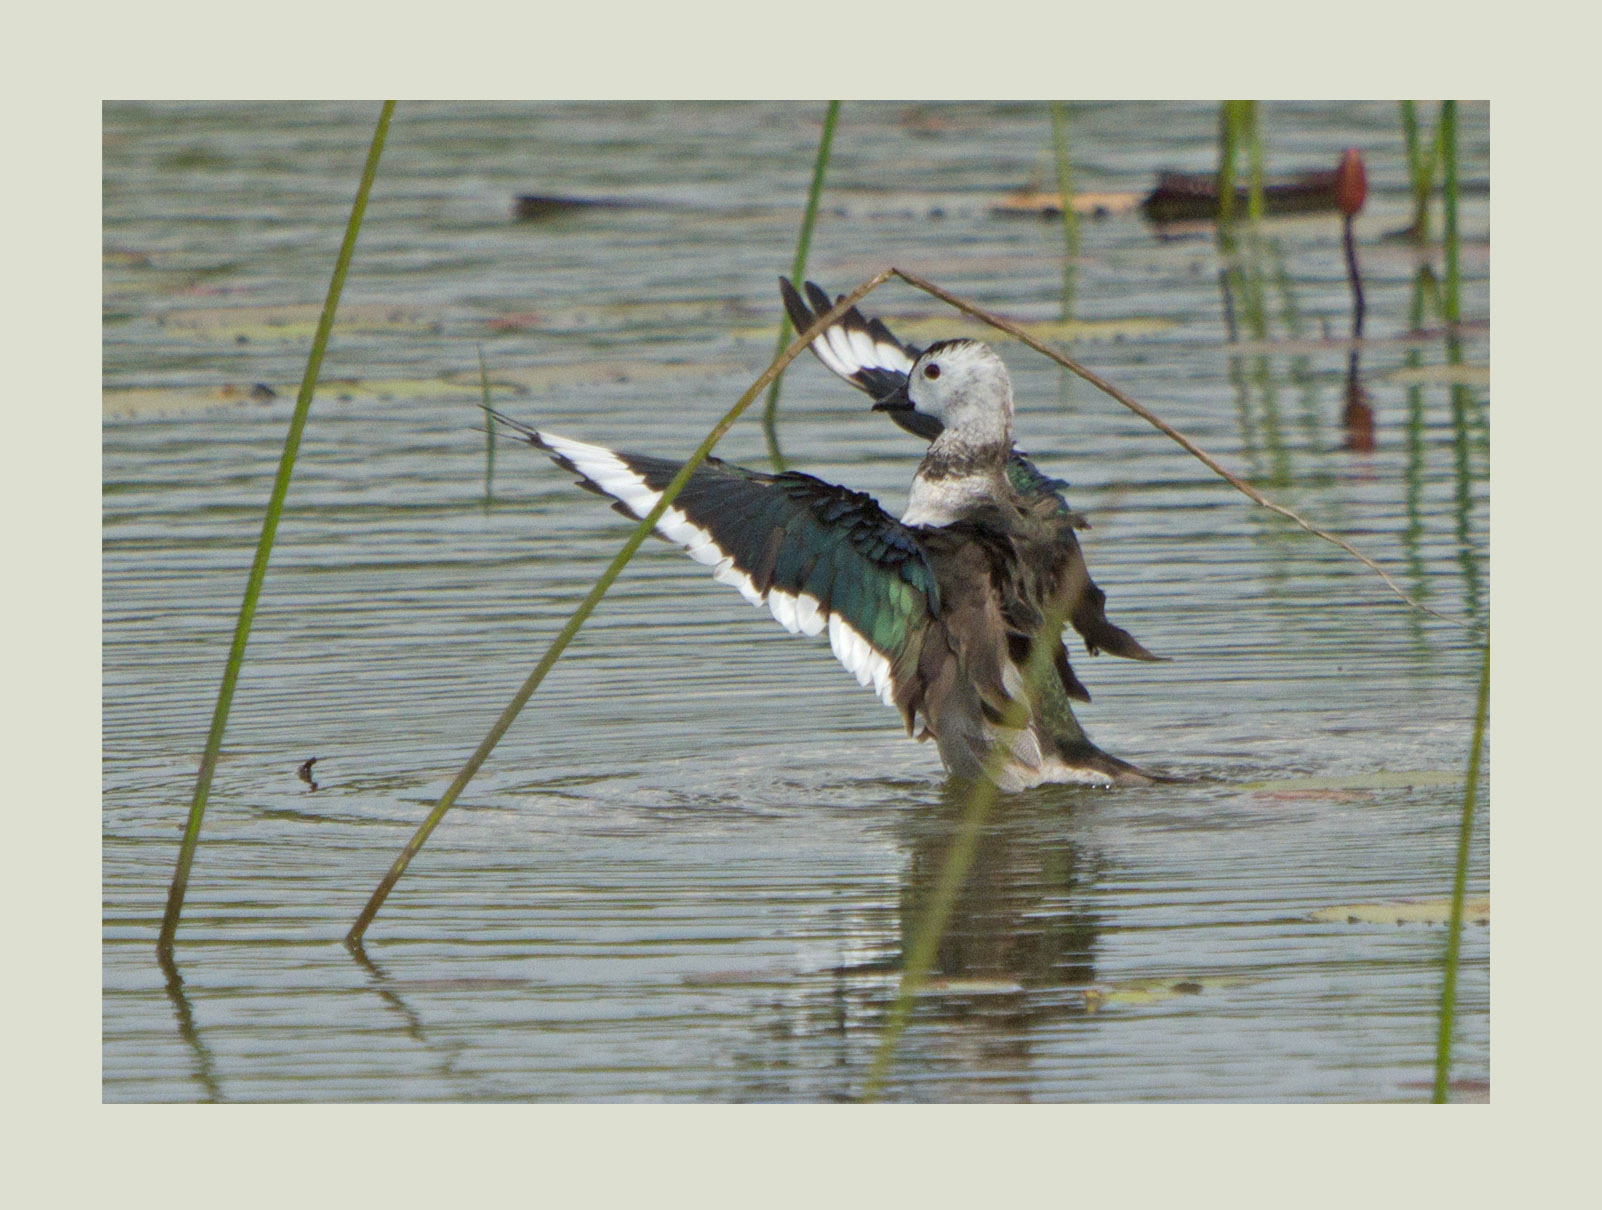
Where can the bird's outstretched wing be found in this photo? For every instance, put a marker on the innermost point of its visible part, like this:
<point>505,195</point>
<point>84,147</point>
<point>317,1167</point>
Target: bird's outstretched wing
<point>817,555</point>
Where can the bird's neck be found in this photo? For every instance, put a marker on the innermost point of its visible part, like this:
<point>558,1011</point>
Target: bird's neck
<point>958,476</point>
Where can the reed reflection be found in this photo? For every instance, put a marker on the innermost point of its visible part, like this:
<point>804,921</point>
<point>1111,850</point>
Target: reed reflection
<point>205,1065</point>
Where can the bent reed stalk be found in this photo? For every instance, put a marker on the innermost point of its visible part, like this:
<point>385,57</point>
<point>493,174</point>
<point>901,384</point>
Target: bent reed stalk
<point>670,493</point>
<point>264,545</point>
<point>1157,422</point>
<point>597,591</point>
<point>798,270</point>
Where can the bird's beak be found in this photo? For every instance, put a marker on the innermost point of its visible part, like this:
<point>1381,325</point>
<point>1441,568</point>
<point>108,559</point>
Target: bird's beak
<point>897,401</point>
<point>906,414</point>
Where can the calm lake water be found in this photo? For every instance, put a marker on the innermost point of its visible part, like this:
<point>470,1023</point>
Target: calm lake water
<point>691,869</point>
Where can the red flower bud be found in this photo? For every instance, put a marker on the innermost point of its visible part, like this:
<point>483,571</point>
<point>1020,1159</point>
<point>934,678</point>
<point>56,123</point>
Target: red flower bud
<point>1351,183</point>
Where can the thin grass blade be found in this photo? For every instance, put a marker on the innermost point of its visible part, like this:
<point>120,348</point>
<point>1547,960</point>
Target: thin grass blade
<point>798,271</point>
<point>1454,281</point>
<point>1454,934</point>
<point>264,546</point>
<point>1065,189</point>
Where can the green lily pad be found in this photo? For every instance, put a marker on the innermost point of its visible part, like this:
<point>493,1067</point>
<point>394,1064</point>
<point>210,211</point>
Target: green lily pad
<point>972,987</point>
<point>1461,375</point>
<point>612,317</point>
<point>165,401</point>
<point>1361,781</point>
<point>296,322</point>
<point>926,329</point>
<point>1155,991</point>
<point>525,380</point>
<point>1049,331</point>
<point>1476,910</point>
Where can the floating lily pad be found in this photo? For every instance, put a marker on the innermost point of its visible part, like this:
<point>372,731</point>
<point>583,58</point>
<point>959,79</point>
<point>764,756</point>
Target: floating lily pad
<point>926,329</point>
<point>1476,910</point>
<point>1155,991</point>
<point>620,316</point>
<point>527,379</point>
<point>394,388</point>
<point>1459,1092</point>
<point>972,987</point>
<point>1045,204</point>
<point>944,327</point>
<point>1403,780</point>
<point>163,401</point>
<point>124,256</point>
<point>296,322</point>
<point>1444,373</point>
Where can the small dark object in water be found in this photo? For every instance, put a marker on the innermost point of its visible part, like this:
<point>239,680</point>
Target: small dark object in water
<point>1194,195</point>
<point>532,207</point>
<point>305,773</point>
<point>261,392</point>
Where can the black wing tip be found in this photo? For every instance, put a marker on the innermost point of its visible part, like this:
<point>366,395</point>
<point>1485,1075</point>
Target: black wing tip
<point>537,439</point>
<point>801,317</point>
<point>526,432</point>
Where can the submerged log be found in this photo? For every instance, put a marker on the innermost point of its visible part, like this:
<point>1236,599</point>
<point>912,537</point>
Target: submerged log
<point>532,207</point>
<point>1182,196</point>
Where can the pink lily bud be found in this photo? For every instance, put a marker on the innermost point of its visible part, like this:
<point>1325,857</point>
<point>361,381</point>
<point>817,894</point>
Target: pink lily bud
<point>1351,183</point>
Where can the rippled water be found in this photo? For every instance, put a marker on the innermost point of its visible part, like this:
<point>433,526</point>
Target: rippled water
<point>691,868</point>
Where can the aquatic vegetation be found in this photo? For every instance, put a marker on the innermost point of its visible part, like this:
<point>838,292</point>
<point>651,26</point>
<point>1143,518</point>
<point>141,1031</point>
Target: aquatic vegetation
<point>269,529</point>
<point>798,269</point>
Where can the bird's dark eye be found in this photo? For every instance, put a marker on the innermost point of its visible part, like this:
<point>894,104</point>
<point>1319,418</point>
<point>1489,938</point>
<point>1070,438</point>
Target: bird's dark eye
<point>931,371</point>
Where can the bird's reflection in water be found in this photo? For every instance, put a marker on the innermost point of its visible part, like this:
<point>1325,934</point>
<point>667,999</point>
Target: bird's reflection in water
<point>1025,915</point>
<point>1018,953</point>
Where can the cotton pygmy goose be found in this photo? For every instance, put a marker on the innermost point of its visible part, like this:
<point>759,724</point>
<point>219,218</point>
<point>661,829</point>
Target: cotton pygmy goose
<point>938,611</point>
<point>866,354</point>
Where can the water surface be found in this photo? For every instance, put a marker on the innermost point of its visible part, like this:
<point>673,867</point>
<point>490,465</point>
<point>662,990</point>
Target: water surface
<point>691,869</point>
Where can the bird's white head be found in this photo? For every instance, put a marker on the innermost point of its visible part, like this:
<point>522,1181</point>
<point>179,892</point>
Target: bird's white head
<point>964,385</point>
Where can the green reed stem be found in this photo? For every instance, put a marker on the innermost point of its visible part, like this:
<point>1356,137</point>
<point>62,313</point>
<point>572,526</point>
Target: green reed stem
<point>1070,217</point>
<point>1443,1038</point>
<point>1254,160</point>
<point>1420,170</point>
<point>587,606</point>
<point>489,431</point>
<point>920,955</point>
<point>798,271</point>
<point>264,546</point>
<point>1449,205</point>
<point>1228,144</point>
